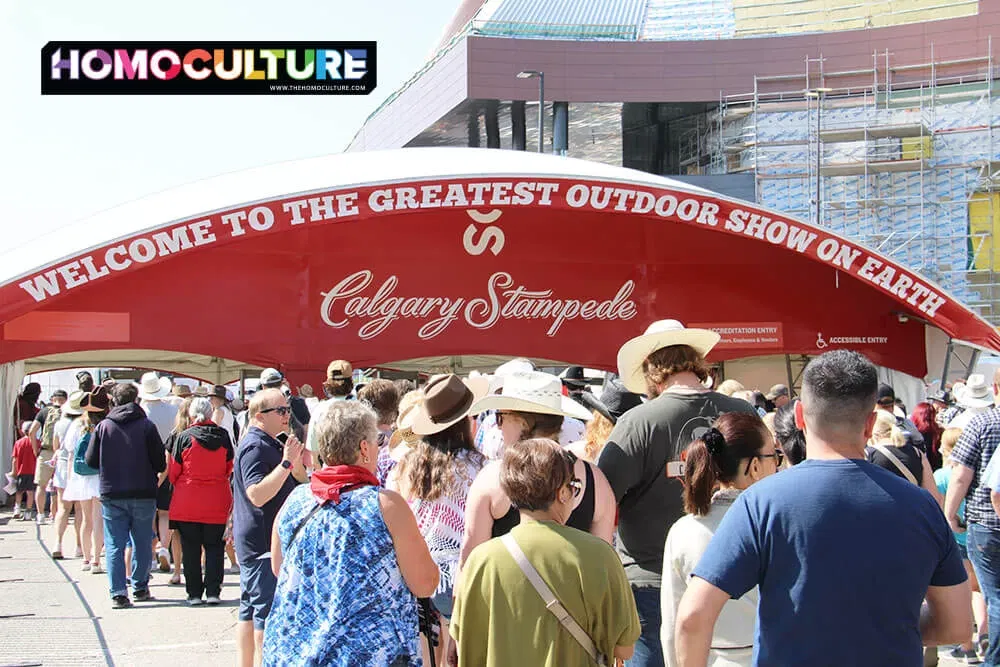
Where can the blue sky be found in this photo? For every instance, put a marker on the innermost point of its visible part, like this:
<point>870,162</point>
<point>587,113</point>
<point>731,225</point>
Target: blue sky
<point>66,157</point>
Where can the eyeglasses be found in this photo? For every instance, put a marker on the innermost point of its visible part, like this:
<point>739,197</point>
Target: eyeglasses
<point>282,410</point>
<point>500,416</point>
<point>576,485</point>
<point>777,455</point>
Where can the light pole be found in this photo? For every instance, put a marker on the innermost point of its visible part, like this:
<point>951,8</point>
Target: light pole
<point>531,74</point>
<point>817,94</point>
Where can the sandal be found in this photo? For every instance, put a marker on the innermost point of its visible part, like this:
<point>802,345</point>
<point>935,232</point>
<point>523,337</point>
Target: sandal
<point>57,555</point>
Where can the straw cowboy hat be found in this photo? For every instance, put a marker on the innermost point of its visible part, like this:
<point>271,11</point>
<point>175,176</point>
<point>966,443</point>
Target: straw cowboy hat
<point>659,334</point>
<point>447,400</point>
<point>152,387</point>
<point>405,434</point>
<point>72,407</point>
<point>977,393</point>
<point>536,392</point>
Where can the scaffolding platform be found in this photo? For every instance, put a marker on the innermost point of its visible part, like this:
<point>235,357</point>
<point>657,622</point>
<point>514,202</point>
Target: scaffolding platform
<point>847,134</point>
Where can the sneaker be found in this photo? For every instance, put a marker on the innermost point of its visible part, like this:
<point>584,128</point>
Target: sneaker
<point>86,566</point>
<point>143,596</point>
<point>97,569</point>
<point>195,602</point>
<point>213,600</point>
<point>120,602</point>
<point>78,554</point>
<point>41,519</point>
<point>26,516</point>
<point>983,645</point>
<point>17,515</point>
<point>164,557</point>
<point>968,657</point>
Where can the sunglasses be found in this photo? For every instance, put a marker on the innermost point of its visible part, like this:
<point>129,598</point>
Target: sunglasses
<point>576,485</point>
<point>777,455</point>
<point>499,418</point>
<point>282,410</point>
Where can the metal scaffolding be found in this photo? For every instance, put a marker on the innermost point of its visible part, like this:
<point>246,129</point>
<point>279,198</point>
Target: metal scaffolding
<point>901,158</point>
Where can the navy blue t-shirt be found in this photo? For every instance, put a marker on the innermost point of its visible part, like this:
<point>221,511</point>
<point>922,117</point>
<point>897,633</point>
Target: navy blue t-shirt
<point>843,552</point>
<point>257,456</point>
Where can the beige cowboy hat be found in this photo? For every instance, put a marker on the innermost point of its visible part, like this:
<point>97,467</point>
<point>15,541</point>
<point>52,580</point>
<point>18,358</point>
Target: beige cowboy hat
<point>152,387</point>
<point>977,393</point>
<point>72,407</point>
<point>405,434</point>
<point>658,335</point>
<point>533,391</point>
<point>447,400</point>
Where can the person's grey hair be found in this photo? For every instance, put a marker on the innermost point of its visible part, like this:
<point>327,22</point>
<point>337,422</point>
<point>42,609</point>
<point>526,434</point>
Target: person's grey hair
<point>838,393</point>
<point>200,409</point>
<point>341,429</point>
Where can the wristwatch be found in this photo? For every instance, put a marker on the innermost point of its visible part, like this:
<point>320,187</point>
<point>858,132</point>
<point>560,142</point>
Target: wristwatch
<point>286,464</point>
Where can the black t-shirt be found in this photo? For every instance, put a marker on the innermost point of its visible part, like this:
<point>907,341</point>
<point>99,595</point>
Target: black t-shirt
<point>643,441</point>
<point>908,455</point>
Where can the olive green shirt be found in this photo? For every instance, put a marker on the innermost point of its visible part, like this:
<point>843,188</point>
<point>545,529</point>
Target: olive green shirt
<point>500,619</point>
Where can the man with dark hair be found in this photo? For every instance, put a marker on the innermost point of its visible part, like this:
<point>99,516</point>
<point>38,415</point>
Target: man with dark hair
<point>797,537</point>
<point>667,363</point>
<point>127,450</point>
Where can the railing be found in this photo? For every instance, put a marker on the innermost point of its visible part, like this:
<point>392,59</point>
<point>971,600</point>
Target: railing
<point>492,28</point>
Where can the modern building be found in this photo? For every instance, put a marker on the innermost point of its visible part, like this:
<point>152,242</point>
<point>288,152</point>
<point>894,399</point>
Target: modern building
<point>877,119</point>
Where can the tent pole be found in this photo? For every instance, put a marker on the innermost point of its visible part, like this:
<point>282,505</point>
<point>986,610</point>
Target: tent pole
<point>243,384</point>
<point>947,362</point>
<point>791,378</point>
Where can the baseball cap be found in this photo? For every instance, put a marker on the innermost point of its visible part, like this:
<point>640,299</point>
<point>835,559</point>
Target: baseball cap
<point>271,377</point>
<point>776,391</point>
<point>59,393</point>
<point>885,394</point>
<point>339,369</point>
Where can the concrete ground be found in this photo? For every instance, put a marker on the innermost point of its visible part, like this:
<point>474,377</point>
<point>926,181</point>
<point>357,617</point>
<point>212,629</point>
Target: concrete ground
<point>52,613</point>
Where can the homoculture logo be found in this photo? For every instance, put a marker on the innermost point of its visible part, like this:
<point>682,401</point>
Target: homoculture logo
<point>208,68</point>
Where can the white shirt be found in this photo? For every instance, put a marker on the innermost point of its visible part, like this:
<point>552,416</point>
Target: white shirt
<point>162,414</point>
<point>312,442</point>
<point>686,543</point>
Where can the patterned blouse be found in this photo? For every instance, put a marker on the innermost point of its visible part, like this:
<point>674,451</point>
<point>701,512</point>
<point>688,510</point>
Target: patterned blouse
<point>442,521</point>
<point>340,598</point>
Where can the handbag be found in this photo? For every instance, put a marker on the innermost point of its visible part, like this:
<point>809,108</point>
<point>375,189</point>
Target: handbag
<point>80,466</point>
<point>552,602</point>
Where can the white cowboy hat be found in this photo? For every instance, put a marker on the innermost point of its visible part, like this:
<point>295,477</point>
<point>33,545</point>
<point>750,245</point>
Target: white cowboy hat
<point>977,393</point>
<point>659,334</point>
<point>533,391</point>
<point>447,400</point>
<point>152,387</point>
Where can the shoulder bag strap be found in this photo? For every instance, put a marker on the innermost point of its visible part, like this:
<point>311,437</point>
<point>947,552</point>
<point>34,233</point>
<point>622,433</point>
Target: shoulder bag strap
<point>302,525</point>
<point>887,453</point>
<point>551,602</point>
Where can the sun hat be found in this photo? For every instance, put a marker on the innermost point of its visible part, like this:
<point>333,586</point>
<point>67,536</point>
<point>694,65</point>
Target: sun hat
<point>152,387</point>
<point>977,393</point>
<point>181,390</point>
<point>72,407</point>
<point>658,335</point>
<point>447,400</point>
<point>218,391</point>
<point>533,391</point>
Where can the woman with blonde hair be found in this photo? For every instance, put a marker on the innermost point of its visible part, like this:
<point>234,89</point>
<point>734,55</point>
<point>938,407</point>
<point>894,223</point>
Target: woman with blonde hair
<point>83,482</point>
<point>889,449</point>
<point>435,476</point>
<point>164,494</point>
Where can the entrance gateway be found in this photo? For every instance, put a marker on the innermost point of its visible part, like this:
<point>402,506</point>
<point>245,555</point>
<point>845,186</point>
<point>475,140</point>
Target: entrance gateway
<point>451,257</point>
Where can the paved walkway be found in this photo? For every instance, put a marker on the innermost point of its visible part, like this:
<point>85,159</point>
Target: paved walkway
<point>52,613</point>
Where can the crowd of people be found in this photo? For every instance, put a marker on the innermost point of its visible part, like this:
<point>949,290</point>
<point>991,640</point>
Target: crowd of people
<point>519,517</point>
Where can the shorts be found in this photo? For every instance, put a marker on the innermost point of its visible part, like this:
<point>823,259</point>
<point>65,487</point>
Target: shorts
<point>257,584</point>
<point>43,471</point>
<point>164,493</point>
<point>25,483</point>
<point>444,602</point>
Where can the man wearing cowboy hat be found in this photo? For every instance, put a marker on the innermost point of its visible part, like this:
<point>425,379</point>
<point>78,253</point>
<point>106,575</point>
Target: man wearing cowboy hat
<point>153,391</point>
<point>970,482</point>
<point>667,363</point>
<point>976,398</point>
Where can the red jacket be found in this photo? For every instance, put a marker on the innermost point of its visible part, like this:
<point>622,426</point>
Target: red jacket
<point>200,467</point>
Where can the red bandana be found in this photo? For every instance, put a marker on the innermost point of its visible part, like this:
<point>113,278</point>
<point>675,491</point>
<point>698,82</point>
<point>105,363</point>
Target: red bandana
<point>328,482</point>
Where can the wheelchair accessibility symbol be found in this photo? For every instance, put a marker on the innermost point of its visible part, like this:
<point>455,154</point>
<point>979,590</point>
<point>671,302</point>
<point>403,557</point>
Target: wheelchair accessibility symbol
<point>820,343</point>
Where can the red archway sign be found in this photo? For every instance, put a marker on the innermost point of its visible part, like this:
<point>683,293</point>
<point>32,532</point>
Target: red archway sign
<point>516,255</point>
